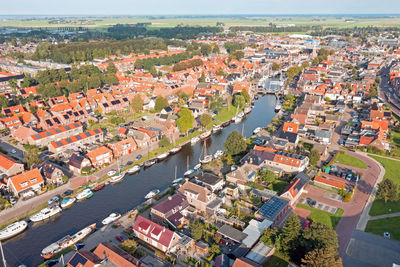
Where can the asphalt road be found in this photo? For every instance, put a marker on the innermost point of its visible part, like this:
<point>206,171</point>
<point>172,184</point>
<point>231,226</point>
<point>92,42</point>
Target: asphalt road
<point>9,148</point>
<point>385,93</point>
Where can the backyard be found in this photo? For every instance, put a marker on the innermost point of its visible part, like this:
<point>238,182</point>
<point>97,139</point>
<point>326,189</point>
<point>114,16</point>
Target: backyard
<point>323,217</point>
<point>346,159</point>
<point>380,226</point>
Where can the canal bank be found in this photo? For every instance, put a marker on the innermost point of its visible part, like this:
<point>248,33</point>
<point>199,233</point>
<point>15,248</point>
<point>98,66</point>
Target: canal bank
<point>122,197</point>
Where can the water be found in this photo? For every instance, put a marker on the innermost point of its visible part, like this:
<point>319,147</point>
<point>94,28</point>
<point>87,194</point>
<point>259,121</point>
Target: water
<point>124,196</point>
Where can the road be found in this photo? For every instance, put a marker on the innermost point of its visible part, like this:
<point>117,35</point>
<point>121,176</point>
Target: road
<point>385,93</point>
<point>19,153</point>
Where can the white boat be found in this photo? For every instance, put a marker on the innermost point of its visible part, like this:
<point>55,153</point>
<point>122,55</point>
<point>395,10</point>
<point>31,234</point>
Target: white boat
<point>237,119</point>
<point>247,110</point>
<point>207,159</point>
<point>111,218</point>
<point>87,193</point>
<point>205,135</point>
<point>241,114</point>
<point>152,193</point>
<point>194,140</point>
<point>196,167</point>
<point>175,150</point>
<point>13,230</point>
<point>117,178</point>
<point>216,128</point>
<point>134,169</point>
<point>111,173</point>
<point>278,106</point>
<point>66,242</point>
<point>188,172</point>
<point>149,163</point>
<point>218,154</point>
<point>234,118</point>
<point>163,156</point>
<point>45,213</point>
<point>257,130</point>
<point>66,203</point>
<point>177,181</point>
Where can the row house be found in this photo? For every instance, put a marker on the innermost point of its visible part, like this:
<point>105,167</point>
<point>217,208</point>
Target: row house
<point>77,141</point>
<point>53,134</point>
<point>27,181</point>
<point>13,111</point>
<point>113,105</point>
<point>57,100</point>
<point>10,122</point>
<point>100,156</point>
<point>9,166</point>
<point>123,147</point>
<point>76,115</point>
<point>50,122</point>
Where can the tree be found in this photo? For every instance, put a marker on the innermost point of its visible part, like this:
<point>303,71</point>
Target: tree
<point>153,71</point>
<point>276,66</point>
<point>137,103</point>
<point>314,157</point>
<point>288,241</point>
<point>202,78</point>
<point>28,81</point>
<point>32,157</point>
<point>322,258</point>
<point>245,95</point>
<point>238,101</point>
<point>3,101</point>
<point>111,69</point>
<point>196,228</point>
<point>205,119</point>
<point>387,190</point>
<point>269,235</point>
<point>267,176</point>
<point>372,93</point>
<point>214,249</point>
<point>129,245</point>
<point>164,142</point>
<point>161,102</point>
<point>235,143</point>
<point>13,83</point>
<point>319,236</point>
<point>185,120</point>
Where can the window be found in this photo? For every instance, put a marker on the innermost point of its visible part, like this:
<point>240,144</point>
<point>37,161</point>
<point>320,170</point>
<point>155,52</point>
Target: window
<point>34,180</point>
<point>24,184</point>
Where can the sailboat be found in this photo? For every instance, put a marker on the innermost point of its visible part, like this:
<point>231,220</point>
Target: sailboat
<point>118,177</point>
<point>207,158</point>
<point>188,171</point>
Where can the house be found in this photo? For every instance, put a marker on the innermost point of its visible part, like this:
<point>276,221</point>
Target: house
<point>9,166</point>
<point>323,136</point>
<point>10,122</point>
<point>51,173</point>
<point>100,156</point>
<point>154,234</point>
<point>254,231</point>
<point>244,262</point>
<point>114,105</point>
<point>123,147</point>
<point>243,174</point>
<point>30,180</point>
<point>273,210</point>
<point>76,163</point>
<point>84,258</point>
<point>169,210</point>
<point>77,141</point>
<point>142,139</point>
<point>329,182</point>
<point>211,181</point>
<point>296,187</point>
<point>22,133</point>
<point>54,134</point>
<point>197,195</point>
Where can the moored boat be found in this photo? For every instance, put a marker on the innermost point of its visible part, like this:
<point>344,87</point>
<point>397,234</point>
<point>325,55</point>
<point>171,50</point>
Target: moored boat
<point>149,163</point>
<point>87,193</point>
<point>98,187</point>
<point>218,154</point>
<point>13,230</point>
<point>117,178</point>
<point>194,140</point>
<point>45,213</point>
<point>257,130</point>
<point>111,218</point>
<point>163,156</point>
<point>134,169</point>
<point>67,202</point>
<point>278,106</point>
<point>216,128</point>
<point>247,110</point>
<point>188,172</point>
<point>175,149</point>
<point>206,159</point>
<point>178,180</point>
<point>152,193</point>
<point>196,167</point>
<point>226,124</point>
<point>66,242</point>
<point>205,135</point>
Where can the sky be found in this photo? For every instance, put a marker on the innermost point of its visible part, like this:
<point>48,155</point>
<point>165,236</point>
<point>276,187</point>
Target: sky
<point>195,7</point>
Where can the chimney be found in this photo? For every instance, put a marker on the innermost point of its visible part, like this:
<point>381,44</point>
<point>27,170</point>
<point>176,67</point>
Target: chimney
<point>169,197</point>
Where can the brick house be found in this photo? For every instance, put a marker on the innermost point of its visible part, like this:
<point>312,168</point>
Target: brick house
<point>196,195</point>
<point>169,210</point>
<point>100,156</point>
<point>123,147</point>
<point>9,166</point>
<point>27,181</point>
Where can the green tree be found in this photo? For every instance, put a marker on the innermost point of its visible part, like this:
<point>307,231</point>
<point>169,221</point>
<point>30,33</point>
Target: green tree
<point>28,81</point>
<point>137,103</point>
<point>245,95</point>
<point>269,235</point>
<point>267,176</point>
<point>161,102</point>
<point>319,236</point>
<point>32,157</point>
<point>326,257</point>
<point>111,69</point>
<point>372,93</point>
<point>238,101</point>
<point>387,190</point>
<point>205,119</point>
<point>202,78</point>
<point>235,143</point>
<point>185,120</point>
<point>13,83</point>
<point>214,249</point>
<point>288,241</point>
<point>164,142</point>
<point>196,228</point>
<point>153,71</point>
<point>276,66</point>
<point>129,245</point>
<point>314,157</point>
<point>3,101</point>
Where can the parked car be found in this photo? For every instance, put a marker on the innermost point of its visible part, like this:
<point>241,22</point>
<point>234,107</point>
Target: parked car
<point>349,176</point>
<point>386,235</point>
<point>306,224</point>
<point>120,238</point>
<point>52,200</point>
<point>311,202</point>
<point>67,193</point>
<point>139,157</point>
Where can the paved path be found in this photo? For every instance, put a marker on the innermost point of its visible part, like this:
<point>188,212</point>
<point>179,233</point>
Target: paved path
<point>391,215</point>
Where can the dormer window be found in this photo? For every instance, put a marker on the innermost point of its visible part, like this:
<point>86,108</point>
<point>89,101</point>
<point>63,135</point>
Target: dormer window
<point>24,184</point>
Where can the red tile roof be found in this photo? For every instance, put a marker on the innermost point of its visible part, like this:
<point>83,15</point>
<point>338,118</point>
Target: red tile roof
<point>153,231</point>
<point>329,182</point>
<point>26,180</point>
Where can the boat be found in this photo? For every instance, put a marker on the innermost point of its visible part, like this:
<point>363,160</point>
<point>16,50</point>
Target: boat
<point>278,106</point>
<point>218,154</point>
<point>117,178</point>
<point>111,218</point>
<point>13,230</point>
<point>149,163</point>
<point>247,110</point>
<point>234,118</point>
<point>66,242</point>
<point>98,187</point>
<point>226,124</point>
<point>206,159</point>
<point>205,135</point>
<point>67,202</point>
<point>87,193</point>
<point>188,172</point>
<point>163,156</point>
<point>45,213</point>
<point>194,140</point>
<point>175,150</point>
<point>257,130</point>
<point>177,181</point>
<point>196,167</point>
<point>134,169</point>
<point>216,128</point>
<point>152,193</point>
<point>111,173</point>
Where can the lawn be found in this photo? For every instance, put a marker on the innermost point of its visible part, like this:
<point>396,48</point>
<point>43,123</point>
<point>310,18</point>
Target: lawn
<point>380,226</point>
<point>279,186</point>
<point>276,260</point>
<point>348,160</point>
<point>379,207</point>
<point>395,138</point>
<point>323,217</point>
<point>225,114</point>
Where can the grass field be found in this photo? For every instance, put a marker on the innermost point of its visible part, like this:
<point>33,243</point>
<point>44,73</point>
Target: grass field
<point>395,138</point>
<point>277,260</point>
<point>348,160</point>
<point>379,207</point>
<point>323,217</point>
<point>380,226</point>
<point>171,21</point>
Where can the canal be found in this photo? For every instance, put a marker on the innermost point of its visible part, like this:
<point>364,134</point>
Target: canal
<point>122,197</point>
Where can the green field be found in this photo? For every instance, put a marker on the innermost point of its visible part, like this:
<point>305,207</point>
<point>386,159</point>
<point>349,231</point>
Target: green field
<point>380,226</point>
<point>323,217</point>
<point>171,21</point>
<point>348,160</point>
<point>379,207</point>
<point>277,260</point>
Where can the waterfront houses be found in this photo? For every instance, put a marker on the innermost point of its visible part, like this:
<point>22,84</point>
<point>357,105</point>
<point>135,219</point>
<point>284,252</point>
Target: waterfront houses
<point>28,181</point>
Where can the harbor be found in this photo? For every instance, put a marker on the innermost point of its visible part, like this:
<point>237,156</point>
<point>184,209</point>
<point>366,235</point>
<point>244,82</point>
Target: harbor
<point>130,192</point>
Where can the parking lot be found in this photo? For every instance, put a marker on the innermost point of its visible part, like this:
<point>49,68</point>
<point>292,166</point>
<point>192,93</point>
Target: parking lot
<point>318,205</point>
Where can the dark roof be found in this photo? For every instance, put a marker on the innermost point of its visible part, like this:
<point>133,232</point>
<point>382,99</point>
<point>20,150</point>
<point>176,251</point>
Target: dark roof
<point>208,178</point>
<point>273,207</point>
<point>171,203</point>
<point>232,233</point>
<point>76,161</point>
<point>291,137</point>
<point>81,257</point>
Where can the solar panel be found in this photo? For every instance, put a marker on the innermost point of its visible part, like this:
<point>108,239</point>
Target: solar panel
<point>69,141</point>
<point>76,113</point>
<point>88,134</point>
<point>58,130</point>
<point>58,143</point>
<point>37,136</point>
<point>77,260</point>
<point>57,120</point>
<point>67,127</point>
<point>76,124</point>
<point>78,137</point>
<point>48,133</point>
<point>96,131</point>
<point>106,105</point>
<point>81,112</point>
<point>7,111</point>
<point>23,91</point>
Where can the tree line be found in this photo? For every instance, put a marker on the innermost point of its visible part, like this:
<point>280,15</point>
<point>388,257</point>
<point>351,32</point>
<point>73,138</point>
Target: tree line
<point>149,63</point>
<point>274,28</point>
